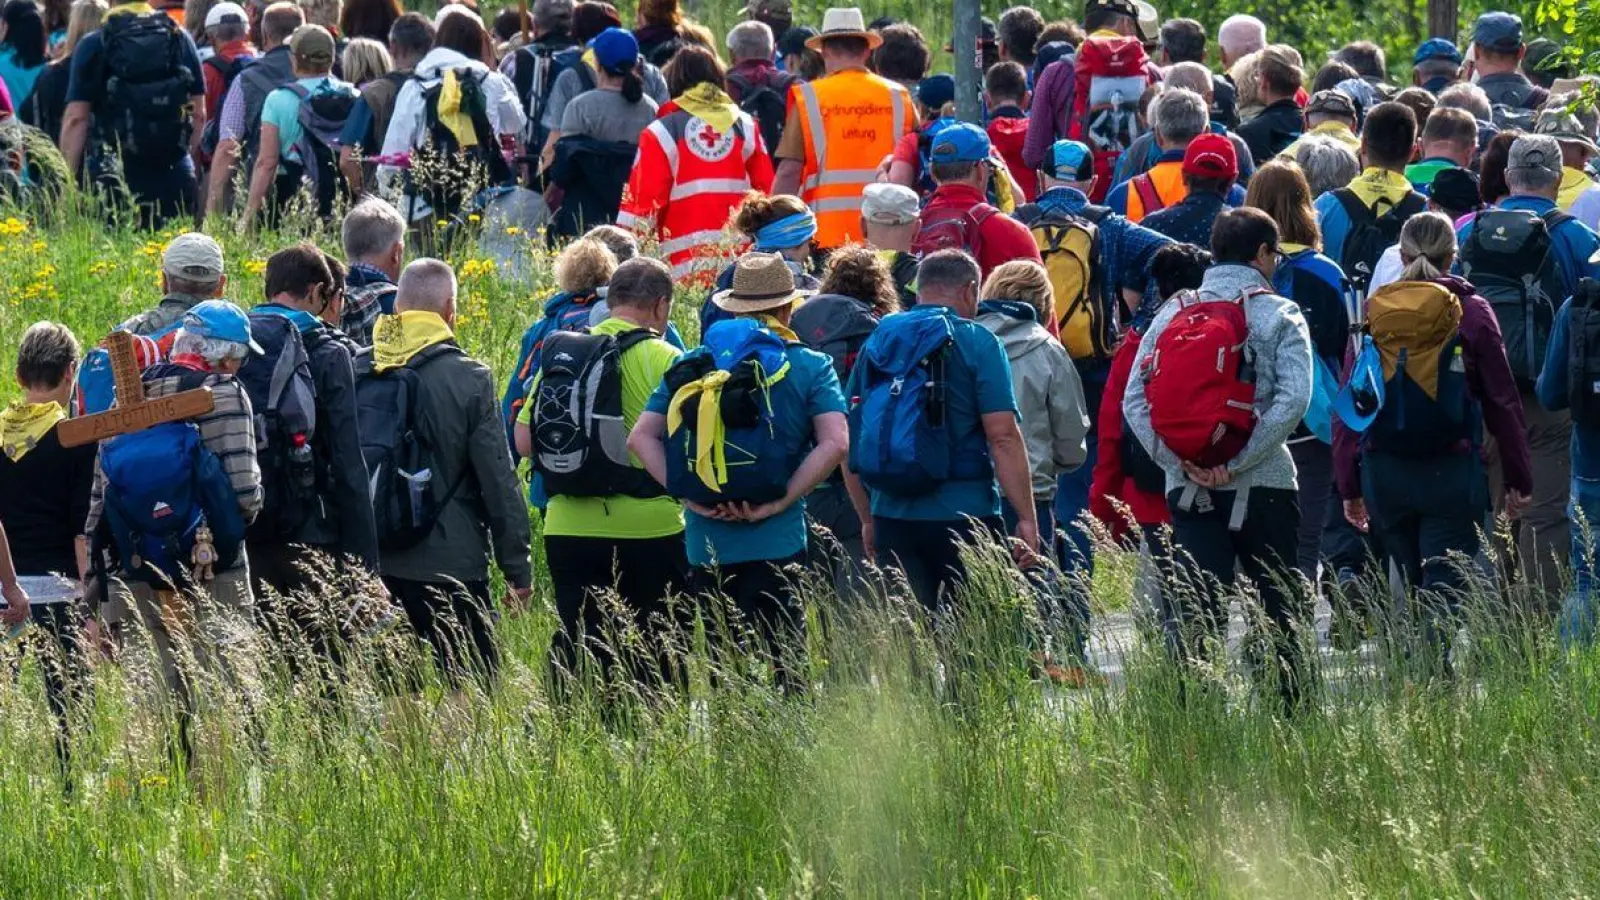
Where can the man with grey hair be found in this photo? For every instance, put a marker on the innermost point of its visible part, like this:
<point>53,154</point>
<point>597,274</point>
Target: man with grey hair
<point>1471,98</point>
<point>922,534</point>
<point>1239,37</point>
<point>374,237</point>
<point>210,346</point>
<point>443,581</point>
<point>1500,273</point>
<point>1144,152</point>
<point>1177,117</point>
<point>191,272</point>
<point>1327,163</point>
<point>755,83</point>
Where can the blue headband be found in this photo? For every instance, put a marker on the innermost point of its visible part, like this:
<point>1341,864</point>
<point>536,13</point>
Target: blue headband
<point>789,231</point>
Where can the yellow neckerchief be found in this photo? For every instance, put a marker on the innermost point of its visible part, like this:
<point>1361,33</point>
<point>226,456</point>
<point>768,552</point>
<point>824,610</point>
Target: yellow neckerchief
<point>708,103</point>
<point>1338,131</point>
<point>130,9</point>
<point>450,114</point>
<point>781,330</point>
<point>1290,248</point>
<point>1375,185</point>
<point>1573,183</point>
<point>23,425</point>
<point>397,338</point>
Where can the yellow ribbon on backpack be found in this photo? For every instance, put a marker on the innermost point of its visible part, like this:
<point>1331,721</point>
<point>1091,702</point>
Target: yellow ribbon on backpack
<point>450,114</point>
<point>1419,318</point>
<point>710,451</point>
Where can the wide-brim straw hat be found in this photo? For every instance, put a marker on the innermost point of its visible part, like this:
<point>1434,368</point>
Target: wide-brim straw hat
<point>845,22</point>
<point>761,281</point>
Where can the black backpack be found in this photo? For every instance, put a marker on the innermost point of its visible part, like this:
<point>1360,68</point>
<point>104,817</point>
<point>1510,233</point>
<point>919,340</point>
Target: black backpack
<point>1370,234</point>
<point>145,113</point>
<point>406,496</point>
<point>322,117</point>
<point>580,439</point>
<point>1583,354</point>
<point>1510,258</point>
<point>767,103</point>
<point>439,168</point>
<point>229,69</point>
<point>283,397</point>
<point>836,325</point>
<point>537,69</point>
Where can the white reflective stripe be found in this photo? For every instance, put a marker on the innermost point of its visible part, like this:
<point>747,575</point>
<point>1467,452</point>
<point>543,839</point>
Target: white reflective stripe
<point>837,204</point>
<point>813,111</point>
<point>709,186</point>
<point>897,101</point>
<point>699,264</point>
<point>690,241</point>
<point>810,184</point>
<point>847,176</point>
<point>627,219</point>
<point>669,144</point>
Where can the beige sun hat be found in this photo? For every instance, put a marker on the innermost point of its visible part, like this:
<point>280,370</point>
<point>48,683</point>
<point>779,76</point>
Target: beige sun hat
<point>761,281</point>
<point>841,22</point>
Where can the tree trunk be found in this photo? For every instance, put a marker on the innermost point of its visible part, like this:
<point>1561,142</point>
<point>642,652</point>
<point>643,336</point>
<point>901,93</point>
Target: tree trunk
<point>1442,18</point>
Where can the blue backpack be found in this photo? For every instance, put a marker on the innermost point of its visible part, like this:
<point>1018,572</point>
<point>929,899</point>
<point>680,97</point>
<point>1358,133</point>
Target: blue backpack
<point>563,312</point>
<point>162,486</point>
<point>1327,300</point>
<point>723,443</point>
<point>900,439</point>
<point>96,389</point>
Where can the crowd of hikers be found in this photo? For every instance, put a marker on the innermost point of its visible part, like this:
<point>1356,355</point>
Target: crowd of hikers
<point>1306,329</point>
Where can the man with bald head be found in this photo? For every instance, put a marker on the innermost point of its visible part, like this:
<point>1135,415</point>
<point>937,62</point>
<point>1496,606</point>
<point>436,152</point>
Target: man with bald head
<point>442,581</point>
<point>1143,153</point>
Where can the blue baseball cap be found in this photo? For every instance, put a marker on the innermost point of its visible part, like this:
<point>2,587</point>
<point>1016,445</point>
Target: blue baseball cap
<point>935,91</point>
<point>960,142</point>
<point>614,49</point>
<point>1361,399</point>
<point>222,321</point>
<point>1436,48</point>
<point>1069,161</point>
<point>1498,31</point>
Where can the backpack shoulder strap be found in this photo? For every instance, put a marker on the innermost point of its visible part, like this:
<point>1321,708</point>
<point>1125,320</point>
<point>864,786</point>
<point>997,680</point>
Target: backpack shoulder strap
<point>1094,213</point>
<point>1555,218</point>
<point>1148,195</point>
<point>1353,207</point>
<point>742,83</point>
<point>585,75</point>
<point>430,353</point>
<point>634,337</point>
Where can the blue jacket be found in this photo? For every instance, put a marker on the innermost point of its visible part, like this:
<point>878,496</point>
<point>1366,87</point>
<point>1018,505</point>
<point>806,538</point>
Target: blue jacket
<point>1552,391</point>
<point>1574,243</point>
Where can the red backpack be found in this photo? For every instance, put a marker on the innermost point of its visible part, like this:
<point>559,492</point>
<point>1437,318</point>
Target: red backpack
<point>952,228</point>
<point>1007,136</point>
<point>1200,381</point>
<point>1109,78</point>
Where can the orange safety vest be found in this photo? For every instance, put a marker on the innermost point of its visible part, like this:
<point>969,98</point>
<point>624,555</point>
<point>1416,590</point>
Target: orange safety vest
<point>1167,179</point>
<point>850,121</point>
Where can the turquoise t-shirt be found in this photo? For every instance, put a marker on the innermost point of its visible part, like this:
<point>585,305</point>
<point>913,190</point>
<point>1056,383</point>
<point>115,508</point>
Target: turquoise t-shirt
<point>810,389</point>
<point>977,382</point>
<point>282,109</point>
<point>19,81</point>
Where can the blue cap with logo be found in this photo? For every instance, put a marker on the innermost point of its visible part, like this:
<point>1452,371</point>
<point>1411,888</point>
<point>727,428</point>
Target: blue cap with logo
<point>1498,31</point>
<point>615,48</point>
<point>960,142</point>
<point>935,91</point>
<point>1069,161</point>
<point>1436,48</point>
<point>221,321</point>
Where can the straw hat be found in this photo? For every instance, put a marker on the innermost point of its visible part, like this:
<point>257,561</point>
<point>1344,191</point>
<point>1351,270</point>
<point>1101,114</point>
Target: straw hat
<point>761,281</point>
<point>845,22</point>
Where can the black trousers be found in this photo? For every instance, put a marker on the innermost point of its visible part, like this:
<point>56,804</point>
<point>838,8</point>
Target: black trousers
<point>457,620</point>
<point>1209,553</point>
<point>63,660</point>
<point>644,572</point>
<point>763,602</point>
<point>929,553</point>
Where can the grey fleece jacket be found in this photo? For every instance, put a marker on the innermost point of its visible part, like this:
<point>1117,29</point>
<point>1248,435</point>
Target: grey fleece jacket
<point>1281,346</point>
<point>1055,419</point>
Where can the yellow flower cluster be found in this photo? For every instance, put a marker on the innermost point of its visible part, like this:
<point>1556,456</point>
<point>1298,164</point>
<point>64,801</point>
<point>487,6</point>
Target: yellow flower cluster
<point>255,266</point>
<point>12,227</point>
<point>476,268</point>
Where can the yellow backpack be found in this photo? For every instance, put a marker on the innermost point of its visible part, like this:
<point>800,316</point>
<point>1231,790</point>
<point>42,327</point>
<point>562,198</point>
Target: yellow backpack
<point>1070,246</point>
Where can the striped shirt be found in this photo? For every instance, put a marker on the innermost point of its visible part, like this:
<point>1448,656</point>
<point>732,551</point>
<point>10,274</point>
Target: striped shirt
<point>228,431</point>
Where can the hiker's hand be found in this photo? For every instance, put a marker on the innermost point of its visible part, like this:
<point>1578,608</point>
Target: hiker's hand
<point>705,512</point>
<point>16,611</point>
<point>1516,504</point>
<point>869,542</point>
<point>1026,549</point>
<point>761,512</point>
<point>516,600</point>
<point>1355,512</point>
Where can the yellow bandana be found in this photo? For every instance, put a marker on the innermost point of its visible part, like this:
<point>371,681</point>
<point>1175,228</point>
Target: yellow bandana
<point>23,425</point>
<point>397,338</point>
<point>1573,183</point>
<point>707,102</point>
<point>780,329</point>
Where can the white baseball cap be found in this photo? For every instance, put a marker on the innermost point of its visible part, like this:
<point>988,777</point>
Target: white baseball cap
<point>226,12</point>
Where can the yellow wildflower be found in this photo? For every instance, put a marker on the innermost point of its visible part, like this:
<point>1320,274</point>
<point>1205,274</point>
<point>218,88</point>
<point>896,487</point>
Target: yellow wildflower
<point>13,226</point>
<point>255,266</point>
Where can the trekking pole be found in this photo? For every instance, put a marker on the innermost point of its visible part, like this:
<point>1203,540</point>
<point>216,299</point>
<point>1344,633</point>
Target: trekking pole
<point>969,60</point>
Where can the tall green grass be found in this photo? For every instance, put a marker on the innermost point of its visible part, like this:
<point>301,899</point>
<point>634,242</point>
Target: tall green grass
<point>924,761</point>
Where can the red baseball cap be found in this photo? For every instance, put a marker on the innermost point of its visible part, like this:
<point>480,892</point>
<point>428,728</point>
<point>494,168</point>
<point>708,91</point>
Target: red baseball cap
<point>1211,156</point>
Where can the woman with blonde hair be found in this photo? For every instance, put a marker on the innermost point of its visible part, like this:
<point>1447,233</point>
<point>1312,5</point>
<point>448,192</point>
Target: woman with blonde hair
<point>1409,465</point>
<point>779,223</point>
<point>365,60</point>
<point>1318,286</point>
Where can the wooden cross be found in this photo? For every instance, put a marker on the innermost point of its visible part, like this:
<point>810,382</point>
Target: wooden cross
<point>132,411</point>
